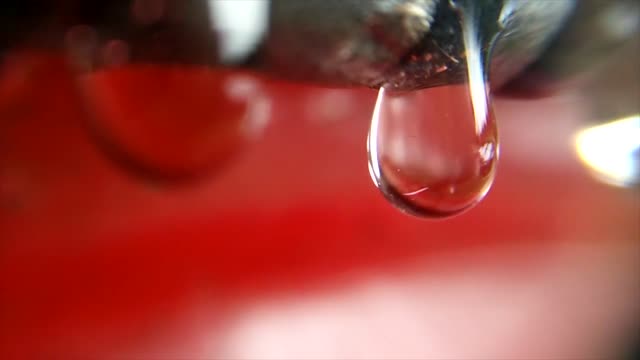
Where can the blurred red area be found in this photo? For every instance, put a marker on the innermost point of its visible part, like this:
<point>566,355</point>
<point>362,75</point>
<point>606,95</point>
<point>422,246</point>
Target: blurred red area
<point>161,118</point>
<point>97,261</point>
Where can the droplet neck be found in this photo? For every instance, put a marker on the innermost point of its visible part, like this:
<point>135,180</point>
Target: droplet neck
<point>480,27</point>
<point>441,57</point>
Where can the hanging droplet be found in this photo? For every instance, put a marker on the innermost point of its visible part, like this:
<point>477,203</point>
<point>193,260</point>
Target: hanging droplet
<point>429,154</point>
<point>433,152</point>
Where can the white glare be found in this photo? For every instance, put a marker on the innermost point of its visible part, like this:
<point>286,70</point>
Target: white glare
<point>612,150</point>
<point>372,140</point>
<point>240,25</point>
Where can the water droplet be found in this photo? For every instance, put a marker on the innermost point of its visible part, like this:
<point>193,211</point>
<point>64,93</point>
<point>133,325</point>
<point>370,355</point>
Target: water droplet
<point>157,99</point>
<point>173,122</point>
<point>433,152</point>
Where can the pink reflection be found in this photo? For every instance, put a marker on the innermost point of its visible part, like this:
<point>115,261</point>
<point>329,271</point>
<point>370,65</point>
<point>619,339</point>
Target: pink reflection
<point>561,302</point>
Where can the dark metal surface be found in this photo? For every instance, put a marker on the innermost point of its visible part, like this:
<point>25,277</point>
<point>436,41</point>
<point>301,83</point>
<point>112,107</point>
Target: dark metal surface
<point>594,32</point>
<point>343,42</point>
<point>405,44</point>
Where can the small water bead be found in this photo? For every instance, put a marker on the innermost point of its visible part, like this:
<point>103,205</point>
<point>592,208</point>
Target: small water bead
<point>173,122</point>
<point>429,155</point>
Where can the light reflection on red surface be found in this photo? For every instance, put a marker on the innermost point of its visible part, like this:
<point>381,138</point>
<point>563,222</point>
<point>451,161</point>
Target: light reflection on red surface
<point>293,243</point>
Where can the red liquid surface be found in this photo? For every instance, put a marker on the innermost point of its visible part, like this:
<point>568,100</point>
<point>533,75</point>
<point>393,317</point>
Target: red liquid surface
<point>96,263</point>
